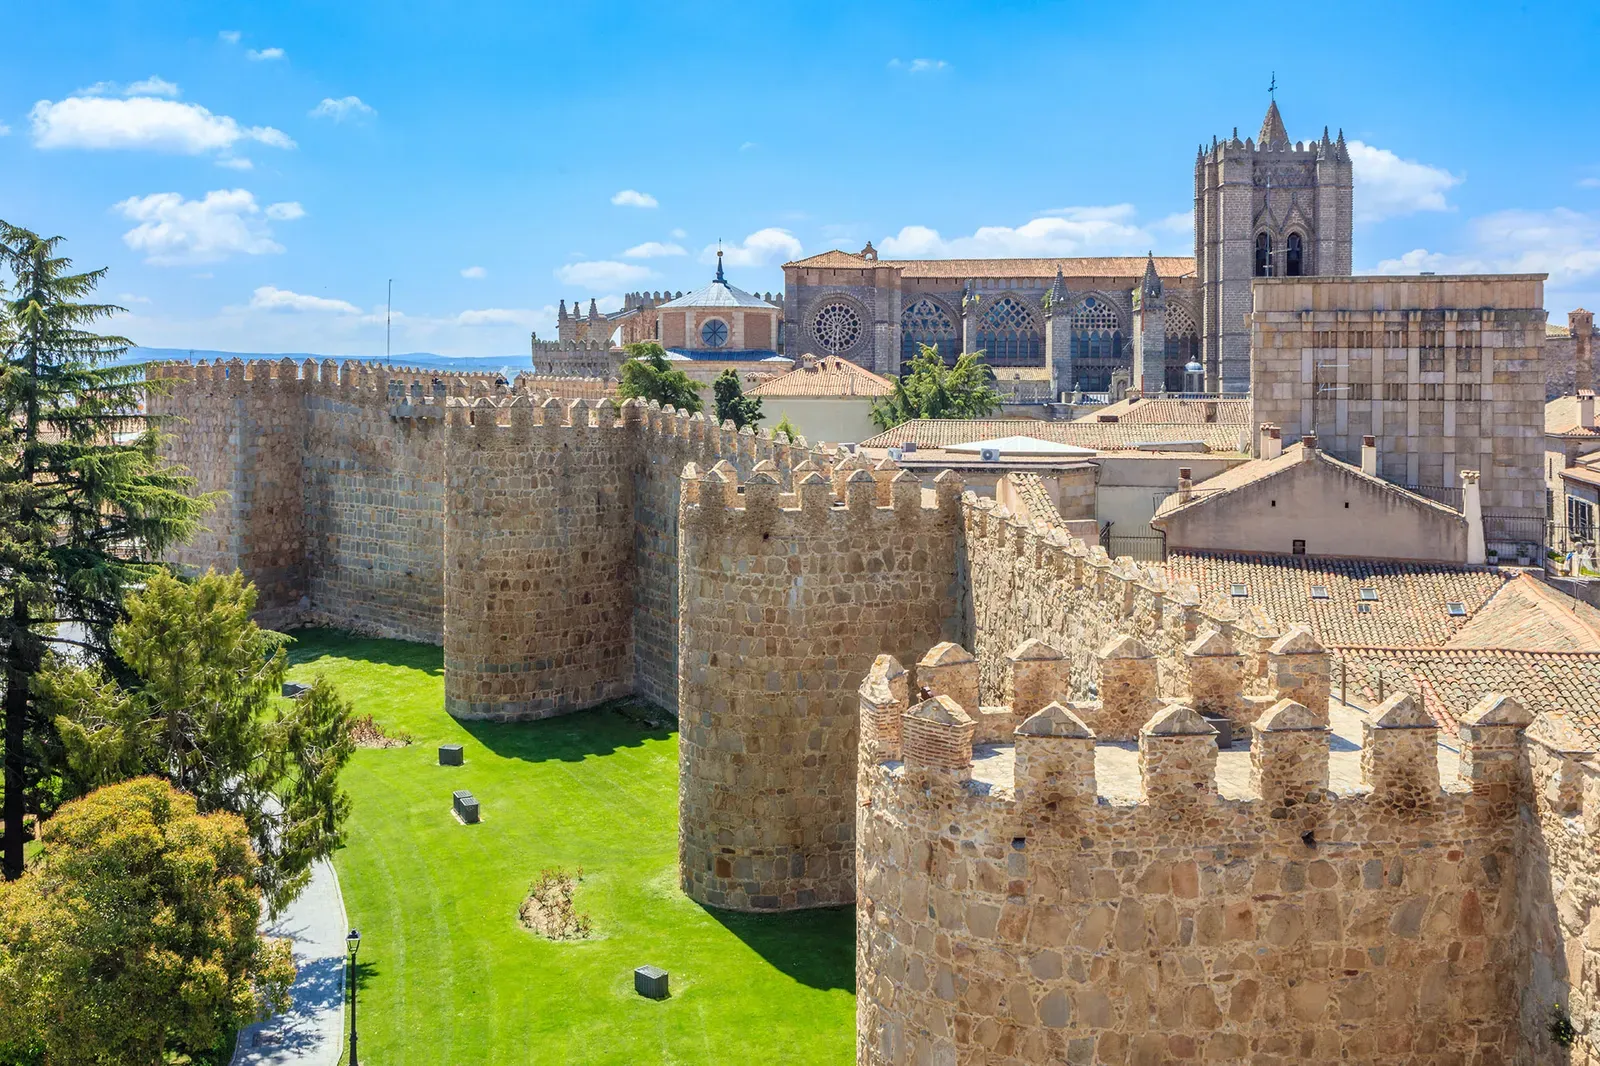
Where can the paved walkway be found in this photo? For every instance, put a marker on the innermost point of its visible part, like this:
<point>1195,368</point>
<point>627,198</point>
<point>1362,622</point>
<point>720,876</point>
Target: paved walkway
<point>312,1032</point>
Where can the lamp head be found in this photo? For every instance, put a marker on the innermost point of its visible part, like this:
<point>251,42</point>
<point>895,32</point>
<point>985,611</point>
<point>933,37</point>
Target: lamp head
<point>352,943</point>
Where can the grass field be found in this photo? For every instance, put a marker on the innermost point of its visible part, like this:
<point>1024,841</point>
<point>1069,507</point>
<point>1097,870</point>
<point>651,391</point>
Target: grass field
<point>449,978</point>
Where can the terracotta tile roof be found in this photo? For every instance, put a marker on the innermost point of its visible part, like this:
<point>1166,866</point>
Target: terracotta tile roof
<point>1451,680</point>
<point>1553,330</point>
<point>827,377</point>
<point>1104,436</point>
<point>1588,475</point>
<point>1561,419</point>
<point>1528,615</point>
<point>1116,266</point>
<point>1410,610</point>
<point>1176,412</point>
<point>1209,491</point>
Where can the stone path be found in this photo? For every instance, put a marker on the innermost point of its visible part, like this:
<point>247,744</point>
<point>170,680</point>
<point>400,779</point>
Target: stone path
<point>312,1032</point>
<point>1116,765</point>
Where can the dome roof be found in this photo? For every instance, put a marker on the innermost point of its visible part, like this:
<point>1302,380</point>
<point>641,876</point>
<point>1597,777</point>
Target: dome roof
<point>718,294</point>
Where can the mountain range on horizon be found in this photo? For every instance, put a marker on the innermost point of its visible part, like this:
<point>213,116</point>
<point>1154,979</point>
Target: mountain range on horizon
<point>428,360</point>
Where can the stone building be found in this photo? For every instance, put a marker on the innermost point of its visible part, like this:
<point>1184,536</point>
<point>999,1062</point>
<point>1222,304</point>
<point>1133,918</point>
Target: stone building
<point>1569,354</point>
<point>1446,373</point>
<point>1264,208</point>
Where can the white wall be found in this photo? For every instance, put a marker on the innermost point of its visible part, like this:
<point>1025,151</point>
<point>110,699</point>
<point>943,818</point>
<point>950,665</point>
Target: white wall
<point>822,419</point>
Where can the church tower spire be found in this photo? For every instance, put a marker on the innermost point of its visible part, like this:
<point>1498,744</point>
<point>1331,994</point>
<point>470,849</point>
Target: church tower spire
<point>1273,135</point>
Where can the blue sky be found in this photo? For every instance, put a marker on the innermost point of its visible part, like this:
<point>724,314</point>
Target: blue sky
<point>253,173</point>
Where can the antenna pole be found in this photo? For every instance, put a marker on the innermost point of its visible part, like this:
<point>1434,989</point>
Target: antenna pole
<point>388,313</point>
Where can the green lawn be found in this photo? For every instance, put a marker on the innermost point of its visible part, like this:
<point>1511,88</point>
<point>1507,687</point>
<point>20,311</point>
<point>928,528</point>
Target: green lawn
<point>449,977</point>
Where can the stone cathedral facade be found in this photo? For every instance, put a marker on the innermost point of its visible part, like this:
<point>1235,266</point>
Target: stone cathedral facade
<point>1263,207</point>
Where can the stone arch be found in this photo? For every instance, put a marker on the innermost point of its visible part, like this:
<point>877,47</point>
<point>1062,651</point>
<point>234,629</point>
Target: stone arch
<point>929,320</point>
<point>1182,343</point>
<point>1009,332</point>
<point>1096,331</point>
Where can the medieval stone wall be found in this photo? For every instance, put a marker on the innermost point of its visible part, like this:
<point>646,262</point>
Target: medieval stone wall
<point>785,598</point>
<point>1026,918</point>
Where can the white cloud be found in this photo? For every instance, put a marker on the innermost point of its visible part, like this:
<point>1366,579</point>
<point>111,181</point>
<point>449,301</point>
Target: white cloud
<point>634,198</point>
<point>1388,186</point>
<point>1067,231</point>
<point>287,211</point>
<point>272,298</point>
<point>474,272</point>
<point>1560,242</point>
<point>499,316</point>
<point>226,222</point>
<point>228,36</point>
<point>142,122</point>
<point>762,247</point>
<point>680,233</point>
<point>4,129</point>
<point>601,274</point>
<point>130,298</point>
<point>1589,183</point>
<point>342,108</point>
<point>151,86</point>
<point>749,145</point>
<point>654,250</point>
<point>919,66</point>
<point>235,162</point>
<point>264,53</point>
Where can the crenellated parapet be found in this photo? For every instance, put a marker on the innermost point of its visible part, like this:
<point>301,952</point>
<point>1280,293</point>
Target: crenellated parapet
<point>1010,899</point>
<point>790,582</point>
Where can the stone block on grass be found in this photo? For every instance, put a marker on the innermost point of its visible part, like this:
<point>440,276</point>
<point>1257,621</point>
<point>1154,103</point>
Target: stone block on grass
<point>650,982</point>
<point>451,755</point>
<point>465,806</point>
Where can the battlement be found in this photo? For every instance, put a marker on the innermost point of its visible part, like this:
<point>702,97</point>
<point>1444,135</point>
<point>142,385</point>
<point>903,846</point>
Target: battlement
<point>912,726</point>
<point>885,495</point>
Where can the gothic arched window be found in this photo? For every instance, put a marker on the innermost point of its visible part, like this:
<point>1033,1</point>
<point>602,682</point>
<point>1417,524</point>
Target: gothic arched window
<point>1096,344</point>
<point>1263,256</point>
<point>1009,335</point>
<point>926,322</point>
<point>1293,257</point>
<point>1183,345</point>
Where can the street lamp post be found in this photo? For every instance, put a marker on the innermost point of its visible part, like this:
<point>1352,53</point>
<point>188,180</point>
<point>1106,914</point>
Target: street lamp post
<point>352,945</point>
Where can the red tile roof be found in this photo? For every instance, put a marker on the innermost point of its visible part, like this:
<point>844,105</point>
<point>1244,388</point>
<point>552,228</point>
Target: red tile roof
<point>1116,266</point>
<point>1175,412</point>
<point>1104,436</point>
<point>827,377</point>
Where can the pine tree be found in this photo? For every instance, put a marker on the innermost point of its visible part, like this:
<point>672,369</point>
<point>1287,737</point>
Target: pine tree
<point>648,376</point>
<point>732,404</point>
<point>86,504</point>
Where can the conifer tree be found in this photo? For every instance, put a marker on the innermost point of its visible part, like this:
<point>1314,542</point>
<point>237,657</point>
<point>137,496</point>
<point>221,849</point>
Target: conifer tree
<point>647,375</point>
<point>87,506</point>
<point>732,404</point>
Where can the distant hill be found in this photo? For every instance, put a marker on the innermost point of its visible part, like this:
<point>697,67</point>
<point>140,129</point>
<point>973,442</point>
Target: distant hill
<point>508,364</point>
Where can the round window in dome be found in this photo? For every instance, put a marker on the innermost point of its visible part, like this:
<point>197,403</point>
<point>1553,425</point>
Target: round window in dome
<point>714,333</point>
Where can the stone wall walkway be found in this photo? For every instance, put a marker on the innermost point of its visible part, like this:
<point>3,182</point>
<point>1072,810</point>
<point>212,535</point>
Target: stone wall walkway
<point>312,1032</point>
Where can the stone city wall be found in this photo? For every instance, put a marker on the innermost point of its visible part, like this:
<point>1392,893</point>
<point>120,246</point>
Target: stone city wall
<point>1030,579</point>
<point>336,505</point>
<point>1031,920</point>
<point>785,598</point>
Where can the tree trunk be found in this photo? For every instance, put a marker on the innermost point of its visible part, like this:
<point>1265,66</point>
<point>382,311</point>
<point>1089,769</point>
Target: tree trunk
<point>16,719</point>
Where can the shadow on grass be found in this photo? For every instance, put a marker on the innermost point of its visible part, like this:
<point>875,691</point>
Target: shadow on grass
<point>815,947</point>
<point>625,723</point>
<point>312,644</point>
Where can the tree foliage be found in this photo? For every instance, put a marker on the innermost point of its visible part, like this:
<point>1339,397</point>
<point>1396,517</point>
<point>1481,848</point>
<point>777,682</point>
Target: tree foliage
<point>203,710</point>
<point>648,375</point>
<point>786,429</point>
<point>929,389</point>
<point>87,506</point>
<point>732,404</point>
<point>135,938</point>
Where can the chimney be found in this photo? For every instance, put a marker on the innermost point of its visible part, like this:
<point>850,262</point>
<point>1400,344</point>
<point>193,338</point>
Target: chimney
<point>1271,441</point>
<point>1472,511</point>
<point>1210,409</point>
<point>1185,483</point>
<point>1369,455</point>
<point>1580,324</point>
<point>1586,408</point>
<point>1309,442</point>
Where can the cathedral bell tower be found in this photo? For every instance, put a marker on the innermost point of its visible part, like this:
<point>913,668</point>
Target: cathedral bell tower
<point>1263,208</point>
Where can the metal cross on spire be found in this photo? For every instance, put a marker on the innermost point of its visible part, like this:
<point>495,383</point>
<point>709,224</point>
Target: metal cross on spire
<point>1272,90</point>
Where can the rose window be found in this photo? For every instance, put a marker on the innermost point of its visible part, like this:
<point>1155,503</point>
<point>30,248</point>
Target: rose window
<point>836,327</point>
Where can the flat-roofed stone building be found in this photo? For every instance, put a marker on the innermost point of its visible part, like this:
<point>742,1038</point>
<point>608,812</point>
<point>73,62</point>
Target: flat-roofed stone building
<point>1445,372</point>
